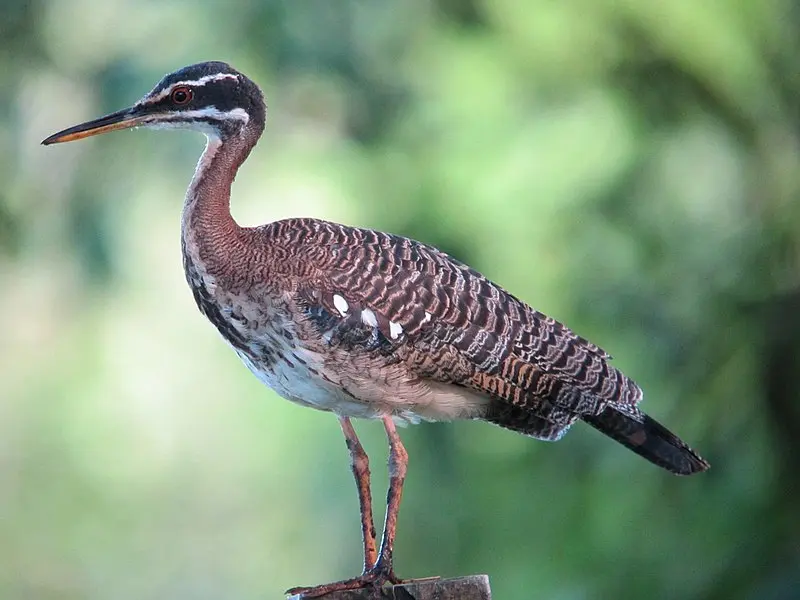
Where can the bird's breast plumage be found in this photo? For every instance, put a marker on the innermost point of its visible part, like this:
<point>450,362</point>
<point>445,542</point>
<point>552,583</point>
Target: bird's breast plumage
<point>257,323</point>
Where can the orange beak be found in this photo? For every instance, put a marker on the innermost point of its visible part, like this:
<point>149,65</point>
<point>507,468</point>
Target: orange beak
<point>123,119</point>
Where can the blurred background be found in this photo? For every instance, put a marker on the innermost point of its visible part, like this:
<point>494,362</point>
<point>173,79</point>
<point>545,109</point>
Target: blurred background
<point>629,167</point>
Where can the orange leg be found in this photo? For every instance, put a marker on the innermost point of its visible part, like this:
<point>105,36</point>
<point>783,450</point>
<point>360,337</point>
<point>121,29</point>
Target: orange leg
<point>381,571</point>
<point>359,462</point>
<point>398,465</point>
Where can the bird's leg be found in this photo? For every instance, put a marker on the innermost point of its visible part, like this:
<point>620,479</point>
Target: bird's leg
<point>359,462</point>
<point>398,465</point>
<point>381,571</point>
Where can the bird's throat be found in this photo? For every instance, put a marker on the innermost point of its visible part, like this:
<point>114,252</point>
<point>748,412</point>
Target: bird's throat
<point>206,208</point>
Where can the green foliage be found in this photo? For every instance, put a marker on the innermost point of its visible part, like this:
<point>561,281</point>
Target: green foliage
<point>627,166</point>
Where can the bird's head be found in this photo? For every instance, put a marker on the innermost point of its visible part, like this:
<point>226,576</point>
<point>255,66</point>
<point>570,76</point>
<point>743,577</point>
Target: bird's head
<point>210,97</point>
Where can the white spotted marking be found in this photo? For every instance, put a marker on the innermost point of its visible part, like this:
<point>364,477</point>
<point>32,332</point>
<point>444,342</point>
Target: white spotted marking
<point>369,318</point>
<point>340,304</point>
<point>427,317</point>
<point>395,329</point>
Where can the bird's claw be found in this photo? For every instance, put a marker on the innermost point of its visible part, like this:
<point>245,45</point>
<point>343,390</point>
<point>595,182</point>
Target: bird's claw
<point>376,577</point>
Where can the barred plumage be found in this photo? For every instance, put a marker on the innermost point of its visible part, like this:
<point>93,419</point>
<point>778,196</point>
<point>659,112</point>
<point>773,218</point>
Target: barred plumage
<point>458,328</point>
<point>368,324</point>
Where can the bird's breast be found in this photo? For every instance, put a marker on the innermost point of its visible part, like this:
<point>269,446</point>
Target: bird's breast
<point>264,328</point>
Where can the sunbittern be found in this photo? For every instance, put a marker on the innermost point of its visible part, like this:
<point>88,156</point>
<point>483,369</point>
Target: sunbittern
<point>372,325</point>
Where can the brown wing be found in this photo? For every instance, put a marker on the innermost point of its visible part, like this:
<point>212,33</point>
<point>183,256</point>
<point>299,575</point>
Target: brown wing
<point>448,323</point>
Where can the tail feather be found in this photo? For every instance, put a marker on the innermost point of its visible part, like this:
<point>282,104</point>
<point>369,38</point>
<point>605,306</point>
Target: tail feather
<point>649,439</point>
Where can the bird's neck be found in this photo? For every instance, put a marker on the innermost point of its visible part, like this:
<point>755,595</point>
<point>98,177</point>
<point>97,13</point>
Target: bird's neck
<point>210,233</point>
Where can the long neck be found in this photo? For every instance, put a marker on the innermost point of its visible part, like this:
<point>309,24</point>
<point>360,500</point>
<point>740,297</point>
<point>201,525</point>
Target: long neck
<point>208,229</point>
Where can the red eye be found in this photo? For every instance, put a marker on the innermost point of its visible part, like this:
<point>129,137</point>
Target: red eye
<point>181,95</point>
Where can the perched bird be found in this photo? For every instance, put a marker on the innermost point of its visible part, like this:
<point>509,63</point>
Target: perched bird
<point>371,325</point>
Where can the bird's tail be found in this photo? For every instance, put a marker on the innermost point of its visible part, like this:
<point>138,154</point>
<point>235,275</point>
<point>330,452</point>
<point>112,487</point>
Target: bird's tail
<point>649,439</point>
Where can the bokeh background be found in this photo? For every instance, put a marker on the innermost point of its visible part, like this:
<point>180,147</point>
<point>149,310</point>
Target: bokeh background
<point>630,167</point>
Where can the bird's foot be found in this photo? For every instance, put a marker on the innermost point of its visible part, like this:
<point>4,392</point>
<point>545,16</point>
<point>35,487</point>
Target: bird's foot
<point>377,577</point>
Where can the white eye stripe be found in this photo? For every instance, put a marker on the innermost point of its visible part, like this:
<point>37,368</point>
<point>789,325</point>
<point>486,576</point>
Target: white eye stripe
<point>195,83</point>
<point>237,114</point>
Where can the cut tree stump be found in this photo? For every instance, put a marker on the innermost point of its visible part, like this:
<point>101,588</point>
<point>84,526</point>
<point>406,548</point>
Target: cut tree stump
<point>472,587</point>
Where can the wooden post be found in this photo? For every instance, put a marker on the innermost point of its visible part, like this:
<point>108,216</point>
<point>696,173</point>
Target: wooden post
<point>472,587</point>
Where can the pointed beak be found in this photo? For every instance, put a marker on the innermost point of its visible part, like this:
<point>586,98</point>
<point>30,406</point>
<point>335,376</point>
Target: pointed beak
<point>123,119</point>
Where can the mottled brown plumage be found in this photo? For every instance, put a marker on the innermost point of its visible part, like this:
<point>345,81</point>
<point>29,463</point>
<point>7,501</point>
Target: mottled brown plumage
<point>368,324</point>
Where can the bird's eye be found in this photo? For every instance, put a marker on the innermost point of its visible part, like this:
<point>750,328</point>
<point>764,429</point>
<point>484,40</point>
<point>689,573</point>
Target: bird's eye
<point>181,95</point>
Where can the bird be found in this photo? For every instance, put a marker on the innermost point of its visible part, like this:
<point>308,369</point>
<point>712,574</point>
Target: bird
<point>366,324</point>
